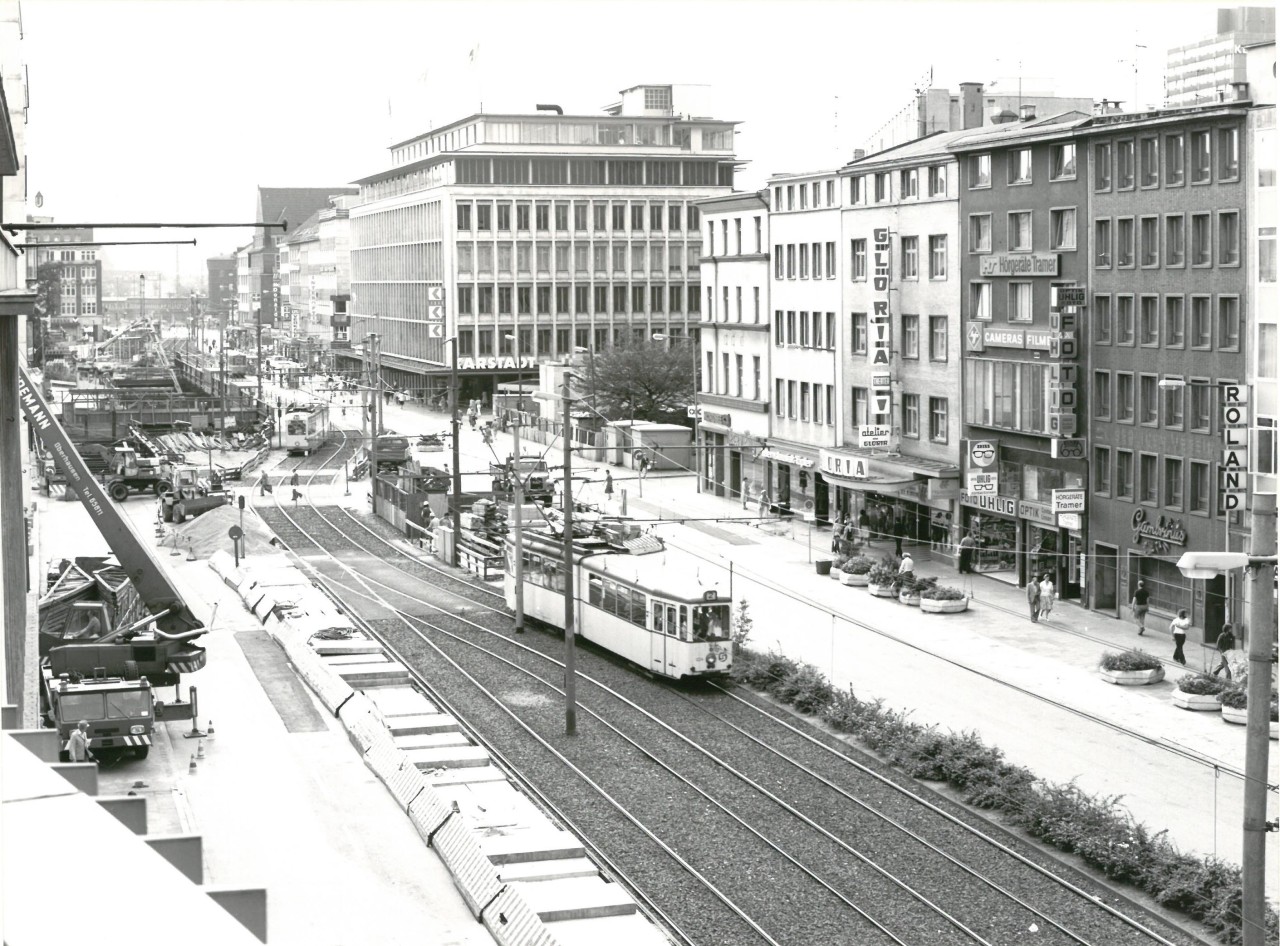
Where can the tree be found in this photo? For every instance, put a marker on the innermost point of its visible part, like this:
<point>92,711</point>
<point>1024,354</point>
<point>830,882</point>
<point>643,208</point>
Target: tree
<point>48,304</point>
<point>647,381</point>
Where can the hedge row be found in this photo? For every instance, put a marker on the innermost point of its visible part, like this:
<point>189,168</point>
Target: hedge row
<point>1094,827</point>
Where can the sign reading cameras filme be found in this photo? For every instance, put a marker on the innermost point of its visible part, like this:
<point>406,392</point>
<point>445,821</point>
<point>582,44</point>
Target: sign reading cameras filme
<point>1235,445</point>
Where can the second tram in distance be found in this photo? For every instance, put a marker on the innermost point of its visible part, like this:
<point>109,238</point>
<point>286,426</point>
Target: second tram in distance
<point>634,597</point>
<point>306,427</point>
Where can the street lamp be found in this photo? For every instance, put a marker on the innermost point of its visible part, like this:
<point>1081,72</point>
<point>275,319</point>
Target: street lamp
<point>142,297</point>
<point>693,351</point>
<point>452,341</point>
<point>517,498</point>
<point>1261,566</point>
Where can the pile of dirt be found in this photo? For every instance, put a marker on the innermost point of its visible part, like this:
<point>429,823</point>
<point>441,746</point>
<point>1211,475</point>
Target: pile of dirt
<point>208,533</point>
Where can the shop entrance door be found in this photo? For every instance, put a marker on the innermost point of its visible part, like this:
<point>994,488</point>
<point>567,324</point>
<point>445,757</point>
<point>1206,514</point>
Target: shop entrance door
<point>1215,610</point>
<point>821,502</point>
<point>1069,577</point>
<point>735,474</point>
<point>1105,567</point>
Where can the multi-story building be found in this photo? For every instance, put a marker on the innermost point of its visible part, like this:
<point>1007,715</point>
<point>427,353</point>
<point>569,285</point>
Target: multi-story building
<point>81,270</point>
<point>525,237</point>
<point>805,296</point>
<point>222,286</point>
<point>315,275</point>
<point>900,353</point>
<point>734,399</point>
<point>1169,281</point>
<point>1211,69</point>
<point>1023,197</point>
<point>1263,330</point>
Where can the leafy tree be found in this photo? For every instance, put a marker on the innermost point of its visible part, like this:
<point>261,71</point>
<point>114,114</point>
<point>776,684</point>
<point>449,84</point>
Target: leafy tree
<point>647,381</point>
<point>48,304</point>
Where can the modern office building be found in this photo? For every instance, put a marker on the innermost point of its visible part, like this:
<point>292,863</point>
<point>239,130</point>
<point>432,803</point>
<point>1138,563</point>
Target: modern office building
<point>1212,69</point>
<point>735,394</point>
<point>525,236</point>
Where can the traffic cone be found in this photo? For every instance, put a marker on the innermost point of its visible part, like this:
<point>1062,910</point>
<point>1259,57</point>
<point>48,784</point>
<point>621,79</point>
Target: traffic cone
<point>191,769</point>
<point>200,749</point>
<point>210,730</point>
<point>191,551</point>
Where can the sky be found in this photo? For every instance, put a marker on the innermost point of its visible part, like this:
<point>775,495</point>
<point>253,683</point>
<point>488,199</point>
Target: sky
<point>177,110</point>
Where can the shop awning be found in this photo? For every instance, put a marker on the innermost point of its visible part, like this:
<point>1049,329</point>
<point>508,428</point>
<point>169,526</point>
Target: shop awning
<point>872,484</point>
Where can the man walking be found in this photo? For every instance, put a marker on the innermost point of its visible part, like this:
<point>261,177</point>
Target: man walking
<point>78,744</point>
<point>966,554</point>
<point>1226,644</point>
<point>1178,627</point>
<point>1033,598</point>
<point>1141,599</point>
<point>764,503</point>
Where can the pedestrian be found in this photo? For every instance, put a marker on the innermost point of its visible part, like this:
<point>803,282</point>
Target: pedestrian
<point>745,491</point>
<point>966,554</point>
<point>608,485</point>
<point>906,566</point>
<point>1226,644</point>
<point>643,462</point>
<point>764,503</point>
<point>1140,602</point>
<point>864,525</point>
<point>1033,599</point>
<point>293,480</point>
<point>486,432</point>
<point>1178,628</point>
<point>471,418</point>
<point>836,530</point>
<point>78,744</point>
<point>899,531</point>
<point>1046,595</point>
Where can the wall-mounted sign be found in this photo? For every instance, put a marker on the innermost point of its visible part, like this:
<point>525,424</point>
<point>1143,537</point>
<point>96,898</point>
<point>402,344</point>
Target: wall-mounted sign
<point>503,362</point>
<point>1004,505</point>
<point>983,453</point>
<point>1067,500</point>
<point>879,342</point>
<point>1063,296</point>
<point>1036,512</point>
<point>721,420</point>
<point>782,456</point>
<point>1235,443</point>
<point>1159,535</point>
<point>1062,448</point>
<point>1070,520</point>
<point>840,465</point>
<point>973,337</point>
<point>871,435</point>
<point>1019,264</point>
<point>983,484</point>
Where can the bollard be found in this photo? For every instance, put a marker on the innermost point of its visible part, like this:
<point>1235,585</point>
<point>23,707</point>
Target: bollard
<point>210,731</point>
<point>200,749</point>
<point>176,550</point>
<point>191,550</point>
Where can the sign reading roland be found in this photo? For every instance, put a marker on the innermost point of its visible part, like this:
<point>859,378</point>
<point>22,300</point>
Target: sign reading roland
<point>1019,264</point>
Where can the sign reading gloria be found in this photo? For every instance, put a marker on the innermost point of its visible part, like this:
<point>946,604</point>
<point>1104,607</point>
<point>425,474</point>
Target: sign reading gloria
<point>879,327</point>
<point>1019,264</point>
<point>1159,535</point>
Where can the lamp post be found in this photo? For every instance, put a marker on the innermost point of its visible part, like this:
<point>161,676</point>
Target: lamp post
<point>570,657</point>
<point>693,351</point>
<point>517,497</point>
<point>257,315</point>
<point>452,341</point>
<point>142,297</point>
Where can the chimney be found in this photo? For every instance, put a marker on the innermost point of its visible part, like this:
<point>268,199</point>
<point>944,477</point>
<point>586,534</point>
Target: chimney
<point>970,105</point>
<point>1026,112</point>
<point>859,153</point>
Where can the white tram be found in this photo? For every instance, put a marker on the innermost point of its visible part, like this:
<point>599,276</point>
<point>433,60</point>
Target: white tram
<point>634,597</point>
<point>306,427</point>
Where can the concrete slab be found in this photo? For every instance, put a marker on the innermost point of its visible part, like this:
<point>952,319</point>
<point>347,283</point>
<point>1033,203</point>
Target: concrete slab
<point>361,677</point>
<point>402,701</point>
<point>442,777</point>
<point>414,725</point>
<point>577,898</point>
<point>448,757</point>
<point>537,844</point>
<point>333,648</point>
<point>432,740</point>
<point>629,930</point>
<point>559,868</point>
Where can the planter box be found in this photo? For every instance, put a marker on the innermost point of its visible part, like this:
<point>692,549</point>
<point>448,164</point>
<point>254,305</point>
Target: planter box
<point>1200,702</point>
<point>912,601</point>
<point>857,581</point>
<point>880,591</point>
<point>835,573</point>
<point>1239,717</point>
<point>930,606</point>
<point>1133,678</point>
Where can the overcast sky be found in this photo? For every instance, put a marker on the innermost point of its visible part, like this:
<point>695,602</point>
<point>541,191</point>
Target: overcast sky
<point>179,109</point>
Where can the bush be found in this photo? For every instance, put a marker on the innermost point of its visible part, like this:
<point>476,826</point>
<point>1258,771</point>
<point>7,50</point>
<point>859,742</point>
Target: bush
<point>1235,697</point>
<point>911,584</point>
<point>858,565</point>
<point>883,573</point>
<point>1129,660</point>
<point>1201,684</point>
<point>943,593</point>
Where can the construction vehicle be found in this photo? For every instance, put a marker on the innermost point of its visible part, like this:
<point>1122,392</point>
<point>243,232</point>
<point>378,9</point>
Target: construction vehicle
<point>534,473</point>
<point>121,713</point>
<point>130,625</point>
<point>129,473</point>
<point>187,497</point>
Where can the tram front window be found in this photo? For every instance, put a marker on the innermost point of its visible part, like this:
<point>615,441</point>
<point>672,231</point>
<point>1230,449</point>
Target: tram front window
<point>711,622</point>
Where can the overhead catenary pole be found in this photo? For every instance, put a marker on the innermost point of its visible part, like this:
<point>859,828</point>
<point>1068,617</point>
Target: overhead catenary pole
<point>517,496</point>
<point>375,365</point>
<point>457,453</point>
<point>570,657</point>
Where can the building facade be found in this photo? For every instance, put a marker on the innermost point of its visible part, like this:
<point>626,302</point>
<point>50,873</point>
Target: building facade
<point>735,349</point>
<point>524,237</point>
<point>221,272</point>
<point>901,346</point>
<point>315,280</point>
<point>1263,328</point>
<point>1210,70</point>
<point>1023,200</point>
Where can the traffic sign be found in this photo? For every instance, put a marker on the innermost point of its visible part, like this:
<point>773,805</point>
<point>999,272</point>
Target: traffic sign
<point>435,312</point>
<point>435,330</point>
<point>435,293</point>
<point>236,533</point>
<point>693,411</point>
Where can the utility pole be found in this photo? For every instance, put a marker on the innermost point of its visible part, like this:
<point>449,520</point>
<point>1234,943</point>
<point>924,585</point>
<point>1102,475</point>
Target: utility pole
<point>457,462</point>
<point>570,657</point>
<point>518,513</point>
<point>376,366</point>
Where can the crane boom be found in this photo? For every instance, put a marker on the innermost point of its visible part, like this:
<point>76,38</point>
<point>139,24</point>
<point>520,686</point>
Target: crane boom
<point>154,587</point>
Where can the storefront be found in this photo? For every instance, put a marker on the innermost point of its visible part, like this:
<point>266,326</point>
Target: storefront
<point>912,496</point>
<point>789,475</point>
<point>1016,539</point>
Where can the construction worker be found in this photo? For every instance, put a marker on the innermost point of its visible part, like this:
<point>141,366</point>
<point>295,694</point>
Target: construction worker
<point>78,744</point>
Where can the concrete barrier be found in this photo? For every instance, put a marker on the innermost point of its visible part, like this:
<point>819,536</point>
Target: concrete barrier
<point>428,812</point>
<point>361,721</point>
<point>473,874</point>
<point>512,922</point>
<point>401,776</point>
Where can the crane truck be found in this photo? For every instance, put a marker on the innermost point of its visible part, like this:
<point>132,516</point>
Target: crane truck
<point>94,671</point>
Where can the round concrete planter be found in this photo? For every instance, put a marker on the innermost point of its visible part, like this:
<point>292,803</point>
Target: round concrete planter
<point>1199,702</point>
<point>911,601</point>
<point>930,606</point>
<point>835,574</point>
<point>1238,717</point>
<point>880,591</point>
<point>856,581</point>
<point>1133,678</point>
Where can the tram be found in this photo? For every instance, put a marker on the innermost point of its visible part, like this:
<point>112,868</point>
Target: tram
<point>237,363</point>
<point>632,596</point>
<point>306,427</point>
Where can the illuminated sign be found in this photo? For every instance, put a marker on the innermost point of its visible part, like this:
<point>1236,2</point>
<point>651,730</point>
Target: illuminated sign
<point>1019,264</point>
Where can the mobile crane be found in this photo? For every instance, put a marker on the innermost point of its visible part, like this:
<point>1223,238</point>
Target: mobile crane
<point>95,672</point>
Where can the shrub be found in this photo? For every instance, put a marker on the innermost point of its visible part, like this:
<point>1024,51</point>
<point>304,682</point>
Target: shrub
<point>1275,707</point>
<point>858,565</point>
<point>1201,684</point>
<point>1129,660</point>
<point>1235,697</point>
<point>806,689</point>
<point>943,593</point>
<point>883,573</point>
<point>912,584</point>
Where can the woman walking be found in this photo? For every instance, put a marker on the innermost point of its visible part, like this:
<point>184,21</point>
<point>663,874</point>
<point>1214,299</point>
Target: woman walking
<point>1046,596</point>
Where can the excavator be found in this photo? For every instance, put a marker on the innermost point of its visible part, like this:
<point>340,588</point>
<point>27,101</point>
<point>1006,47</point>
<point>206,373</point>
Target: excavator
<point>101,659</point>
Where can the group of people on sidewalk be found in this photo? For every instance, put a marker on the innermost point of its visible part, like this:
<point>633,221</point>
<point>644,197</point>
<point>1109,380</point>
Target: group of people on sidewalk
<point>1140,605</point>
<point>1040,597</point>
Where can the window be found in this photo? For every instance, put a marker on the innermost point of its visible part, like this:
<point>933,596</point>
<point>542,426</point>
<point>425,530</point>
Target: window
<point>1228,323</point>
<point>1148,479</point>
<point>1175,160</point>
<point>979,170</point>
<point>1124,320</point>
<point>466,257</point>
<point>1149,241</point>
<point>464,300</point>
<point>1149,161</point>
<point>1267,254</point>
<point>937,257</point>
<point>655,222</point>
<point>1020,231</point>
<point>1173,482</point>
<point>755,311</point>
<point>857,189</point>
<point>619,218</point>
<point>804,399</point>
<point>484,341</point>
<point>1020,302</point>
<point>980,233</point>
<point>601,294</point>
<point>1102,470</point>
<point>580,217</point>
<point>938,419</point>
<point>675,298</point>
<point>1201,157</point>
<point>1228,154</point>
<point>858,261</point>
<point>1198,491</point>
<point>980,301</point>
<point>791,400</point>
<point>858,333</point>
<point>1149,400</point>
<point>637,216</point>
<point>1102,166</point>
<point>910,257</point>
<point>1063,225</point>
<point>804,196</point>
<point>1173,407</point>
<point>882,188</point>
<point>637,299</point>
<point>620,299</point>
<point>1267,355</point>
<point>1124,241</point>
<point>938,181</point>
<point>1175,240</point>
<point>1102,395</point>
<point>1124,164</point>
<point>1200,322</point>
<point>1174,322</point>
<point>777,261</point>
<point>911,336</point>
<point>464,216</point>
<point>911,415</point>
<point>804,260</point>
<point>830,322</point>
<point>1201,396</point>
<point>504,300</point>
<point>522,216</point>
<point>759,235</point>
<point>1062,161</point>
<point>1124,475</point>
<point>544,300</point>
<point>485,300</point>
<point>1201,240</point>
<point>484,217</point>
<point>791,261</point>
<point>817,261</point>
<point>599,217</point>
<point>1102,243</point>
<point>907,182</point>
<point>1124,397</point>
<point>860,410</point>
<point>1149,320</point>
<point>831,259</point>
<point>1020,166</point>
<point>779,397</point>
<point>937,338</point>
<point>831,193</point>
<point>1228,238</point>
<point>504,216</point>
<point>542,216</point>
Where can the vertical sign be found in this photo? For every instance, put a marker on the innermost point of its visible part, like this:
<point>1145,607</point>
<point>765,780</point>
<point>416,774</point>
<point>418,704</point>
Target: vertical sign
<point>435,311</point>
<point>1235,445</point>
<point>1064,349</point>
<point>879,341</point>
